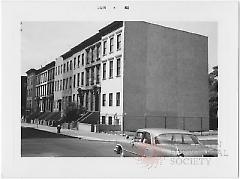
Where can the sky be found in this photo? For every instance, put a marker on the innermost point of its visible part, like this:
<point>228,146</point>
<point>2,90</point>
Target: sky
<point>43,42</point>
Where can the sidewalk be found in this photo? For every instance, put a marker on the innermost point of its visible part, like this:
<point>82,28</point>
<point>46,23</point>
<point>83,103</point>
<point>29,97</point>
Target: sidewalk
<point>104,137</point>
<point>79,134</point>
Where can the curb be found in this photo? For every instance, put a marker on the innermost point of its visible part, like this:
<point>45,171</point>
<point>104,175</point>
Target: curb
<point>77,137</point>
<point>96,139</point>
<point>102,140</point>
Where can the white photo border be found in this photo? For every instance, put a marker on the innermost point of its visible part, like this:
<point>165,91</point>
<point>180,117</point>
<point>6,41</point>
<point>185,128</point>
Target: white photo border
<point>224,13</point>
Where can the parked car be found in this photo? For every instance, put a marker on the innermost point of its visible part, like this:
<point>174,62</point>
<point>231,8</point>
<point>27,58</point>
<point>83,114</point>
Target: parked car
<point>156,142</point>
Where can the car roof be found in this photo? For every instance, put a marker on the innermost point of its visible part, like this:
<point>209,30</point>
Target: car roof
<point>158,131</point>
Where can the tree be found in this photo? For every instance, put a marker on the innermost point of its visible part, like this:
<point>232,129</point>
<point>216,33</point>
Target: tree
<point>213,98</point>
<point>71,113</point>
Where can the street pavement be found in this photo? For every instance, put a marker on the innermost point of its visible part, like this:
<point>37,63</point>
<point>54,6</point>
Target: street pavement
<point>43,141</point>
<point>39,143</point>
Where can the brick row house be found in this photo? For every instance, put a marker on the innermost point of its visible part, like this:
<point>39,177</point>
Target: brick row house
<point>125,72</point>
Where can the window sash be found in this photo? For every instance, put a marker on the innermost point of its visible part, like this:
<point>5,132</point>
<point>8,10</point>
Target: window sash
<point>78,76</point>
<point>111,44</point>
<point>104,47</point>
<point>118,41</point>
<point>104,71</point>
<point>82,80</point>
<point>118,66</point>
<point>110,99</point>
<point>118,99</point>
<point>110,69</point>
<point>104,100</point>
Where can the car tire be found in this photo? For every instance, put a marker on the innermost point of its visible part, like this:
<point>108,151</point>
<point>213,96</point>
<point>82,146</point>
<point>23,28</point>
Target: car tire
<point>122,153</point>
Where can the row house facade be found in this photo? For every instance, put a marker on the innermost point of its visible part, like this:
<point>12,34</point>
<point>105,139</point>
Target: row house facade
<point>58,85</point>
<point>112,74</point>
<point>154,72</point>
<point>41,88</point>
<point>130,70</point>
<point>23,95</point>
<point>77,78</point>
<point>31,91</point>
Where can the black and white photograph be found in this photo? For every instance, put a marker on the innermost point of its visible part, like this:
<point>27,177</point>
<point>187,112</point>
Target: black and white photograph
<point>136,93</point>
<point>136,88</point>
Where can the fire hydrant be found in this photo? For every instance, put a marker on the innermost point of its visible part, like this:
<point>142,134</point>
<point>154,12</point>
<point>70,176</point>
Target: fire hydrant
<point>58,129</point>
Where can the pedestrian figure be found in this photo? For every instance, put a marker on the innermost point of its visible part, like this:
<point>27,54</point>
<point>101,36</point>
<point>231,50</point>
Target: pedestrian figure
<point>58,128</point>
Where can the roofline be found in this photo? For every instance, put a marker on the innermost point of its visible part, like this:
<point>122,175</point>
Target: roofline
<point>46,67</point>
<point>175,29</point>
<point>93,39</point>
<point>32,70</point>
<point>88,42</point>
<point>111,27</point>
<point>106,30</point>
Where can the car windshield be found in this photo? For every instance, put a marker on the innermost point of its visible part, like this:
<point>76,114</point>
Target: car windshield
<point>176,139</point>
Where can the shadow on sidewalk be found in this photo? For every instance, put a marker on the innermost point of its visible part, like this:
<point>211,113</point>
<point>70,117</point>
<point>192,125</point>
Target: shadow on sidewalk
<point>30,133</point>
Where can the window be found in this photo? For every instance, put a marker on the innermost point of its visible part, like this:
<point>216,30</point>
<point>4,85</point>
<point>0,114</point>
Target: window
<point>110,120</point>
<point>103,120</point>
<point>104,71</point>
<point>58,69</point>
<point>64,68</point>
<point>98,52</point>
<point>111,69</point>
<point>104,100</point>
<point>92,76</point>
<point>110,99</point>
<point>67,66</point>
<point>70,82</point>
<point>118,67</point>
<point>78,79</point>
<point>73,97</point>
<point>98,75</point>
<point>70,64</point>
<point>55,85</point>
<point>82,59</point>
<point>74,63</point>
<point>104,48</point>
<point>176,139</point>
<point>74,80</point>
<point>63,84</point>
<point>78,61</point>
<point>146,138</point>
<point>118,99</point>
<point>82,79</point>
<point>118,41</point>
<point>66,83</point>
<point>60,84</point>
<point>61,69</point>
<point>87,56</point>
<point>92,55</point>
<point>87,77</point>
<point>111,45</point>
